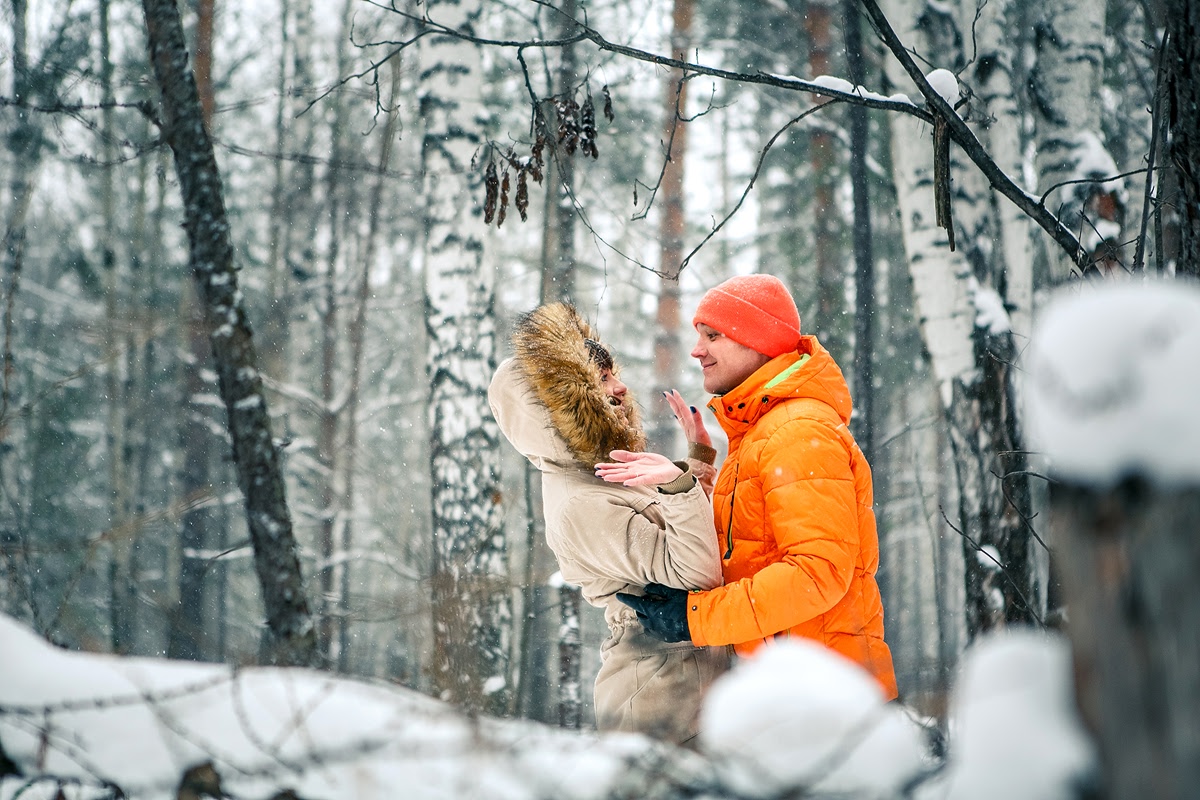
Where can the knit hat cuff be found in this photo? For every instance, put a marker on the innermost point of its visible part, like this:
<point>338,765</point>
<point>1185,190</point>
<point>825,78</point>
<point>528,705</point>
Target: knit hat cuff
<point>747,322</point>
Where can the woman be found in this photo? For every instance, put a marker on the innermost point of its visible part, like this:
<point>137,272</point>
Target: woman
<point>559,401</point>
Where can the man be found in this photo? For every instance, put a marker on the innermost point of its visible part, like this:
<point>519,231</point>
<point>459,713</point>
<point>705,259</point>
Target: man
<point>792,505</point>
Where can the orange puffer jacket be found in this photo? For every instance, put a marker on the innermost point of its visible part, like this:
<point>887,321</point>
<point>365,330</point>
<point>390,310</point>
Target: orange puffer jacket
<point>794,519</point>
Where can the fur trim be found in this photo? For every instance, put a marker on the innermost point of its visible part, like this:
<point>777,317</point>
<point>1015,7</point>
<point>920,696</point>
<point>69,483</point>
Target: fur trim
<point>549,346</point>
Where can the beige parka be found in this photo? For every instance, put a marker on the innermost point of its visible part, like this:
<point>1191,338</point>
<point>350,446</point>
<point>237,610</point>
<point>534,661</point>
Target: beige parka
<point>610,538</point>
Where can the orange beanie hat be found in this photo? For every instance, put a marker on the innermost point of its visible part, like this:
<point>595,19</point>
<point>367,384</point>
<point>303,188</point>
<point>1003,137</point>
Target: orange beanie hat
<point>754,310</point>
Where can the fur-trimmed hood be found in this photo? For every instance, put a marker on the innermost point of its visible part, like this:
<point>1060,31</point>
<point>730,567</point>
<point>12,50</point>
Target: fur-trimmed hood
<point>548,401</point>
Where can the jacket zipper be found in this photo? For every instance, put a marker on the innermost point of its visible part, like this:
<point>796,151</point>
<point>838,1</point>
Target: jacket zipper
<point>729,526</point>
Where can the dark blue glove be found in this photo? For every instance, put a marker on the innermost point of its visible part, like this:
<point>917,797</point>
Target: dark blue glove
<point>662,611</point>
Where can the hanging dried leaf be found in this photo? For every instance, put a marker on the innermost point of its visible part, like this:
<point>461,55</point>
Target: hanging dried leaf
<point>635,195</point>
<point>568,124</point>
<point>491,187</point>
<point>536,151</point>
<point>608,109</point>
<point>521,201</point>
<point>587,126</point>
<point>503,210</point>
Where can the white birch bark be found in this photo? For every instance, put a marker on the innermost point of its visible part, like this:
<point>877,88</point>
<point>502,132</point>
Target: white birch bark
<point>994,83</point>
<point>969,360</point>
<point>940,276</point>
<point>1066,81</point>
<point>472,614</point>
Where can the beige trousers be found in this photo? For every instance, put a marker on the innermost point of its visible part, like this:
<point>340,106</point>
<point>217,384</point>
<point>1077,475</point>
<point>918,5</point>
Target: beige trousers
<point>652,687</point>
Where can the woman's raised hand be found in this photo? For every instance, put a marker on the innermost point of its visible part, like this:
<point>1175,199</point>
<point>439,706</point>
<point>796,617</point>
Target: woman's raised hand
<point>638,469</point>
<point>689,419</point>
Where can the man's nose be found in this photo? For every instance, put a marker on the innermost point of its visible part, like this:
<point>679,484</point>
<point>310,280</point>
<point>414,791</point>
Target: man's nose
<point>698,351</point>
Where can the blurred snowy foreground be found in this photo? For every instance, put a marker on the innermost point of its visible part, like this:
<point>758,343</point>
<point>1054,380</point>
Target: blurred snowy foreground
<point>75,725</point>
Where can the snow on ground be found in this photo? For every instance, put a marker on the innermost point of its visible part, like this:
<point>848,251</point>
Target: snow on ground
<point>796,718</point>
<point>1113,377</point>
<point>140,723</point>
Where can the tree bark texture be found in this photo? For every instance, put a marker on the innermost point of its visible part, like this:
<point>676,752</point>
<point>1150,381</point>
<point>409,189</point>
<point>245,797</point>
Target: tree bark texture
<point>1129,572</point>
<point>472,615</point>
<point>291,634</point>
<point>1183,93</point>
<point>864,259</point>
<point>329,609</point>
<point>825,171</point>
<point>662,432</point>
<point>1065,87</point>
<point>188,635</point>
<point>970,363</point>
<point>570,694</point>
<point>558,231</point>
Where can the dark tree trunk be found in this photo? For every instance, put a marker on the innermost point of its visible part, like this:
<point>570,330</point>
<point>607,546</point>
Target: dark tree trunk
<point>1182,67</point>
<point>824,155</point>
<point>661,433</point>
<point>558,232</point>
<point>1001,587</point>
<point>289,622</point>
<point>864,267</point>
<point>1129,572</point>
<point>188,636</point>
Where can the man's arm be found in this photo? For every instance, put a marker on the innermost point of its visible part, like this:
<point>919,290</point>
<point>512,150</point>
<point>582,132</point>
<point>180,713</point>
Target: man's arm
<point>810,511</point>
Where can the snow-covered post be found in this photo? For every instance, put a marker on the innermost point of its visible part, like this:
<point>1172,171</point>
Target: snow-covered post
<point>1114,377</point>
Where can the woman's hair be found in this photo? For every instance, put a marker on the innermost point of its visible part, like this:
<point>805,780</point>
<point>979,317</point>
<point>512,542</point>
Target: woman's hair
<point>599,354</point>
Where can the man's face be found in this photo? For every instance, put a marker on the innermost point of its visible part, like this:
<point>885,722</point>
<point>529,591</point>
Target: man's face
<point>725,363</point>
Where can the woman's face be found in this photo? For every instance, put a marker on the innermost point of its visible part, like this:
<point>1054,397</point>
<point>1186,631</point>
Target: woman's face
<point>614,390</point>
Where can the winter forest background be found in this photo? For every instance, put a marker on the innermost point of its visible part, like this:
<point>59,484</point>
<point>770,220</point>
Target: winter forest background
<point>325,237</point>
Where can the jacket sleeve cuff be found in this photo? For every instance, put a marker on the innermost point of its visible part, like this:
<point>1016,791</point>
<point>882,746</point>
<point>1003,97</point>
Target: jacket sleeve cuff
<point>702,452</point>
<point>693,621</point>
<point>681,484</point>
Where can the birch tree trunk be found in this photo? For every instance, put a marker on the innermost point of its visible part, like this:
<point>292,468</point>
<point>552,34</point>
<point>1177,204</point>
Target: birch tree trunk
<point>122,591</point>
<point>357,338</point>
<point>1065,86</point>
<point>330,570</point>
<point>570,692</point>
<point>291,636</point>
<point>472,616</point>
<point>969,360</point>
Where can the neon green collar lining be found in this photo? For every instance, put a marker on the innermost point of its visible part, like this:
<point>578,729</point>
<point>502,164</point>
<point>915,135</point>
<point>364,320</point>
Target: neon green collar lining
<point>781,377</point>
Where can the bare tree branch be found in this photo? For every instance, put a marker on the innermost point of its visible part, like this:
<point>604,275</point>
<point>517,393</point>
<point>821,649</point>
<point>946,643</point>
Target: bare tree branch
<point>965,138</point>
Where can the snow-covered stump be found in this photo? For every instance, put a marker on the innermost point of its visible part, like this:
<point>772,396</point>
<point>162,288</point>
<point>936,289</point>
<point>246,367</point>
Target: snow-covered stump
<point>1114,388</point>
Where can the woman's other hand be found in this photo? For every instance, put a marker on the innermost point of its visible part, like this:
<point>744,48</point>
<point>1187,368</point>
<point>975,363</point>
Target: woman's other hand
<point>638,469</point>
<point>689,419</point>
